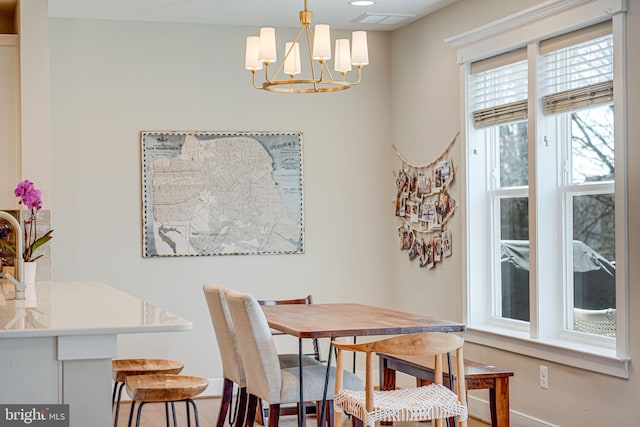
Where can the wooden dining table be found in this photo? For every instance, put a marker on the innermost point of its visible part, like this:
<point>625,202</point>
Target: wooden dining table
<point>307,321</point>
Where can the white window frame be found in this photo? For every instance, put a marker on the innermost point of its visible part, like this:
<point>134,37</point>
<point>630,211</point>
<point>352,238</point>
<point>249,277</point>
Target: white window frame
<point>527,28</point>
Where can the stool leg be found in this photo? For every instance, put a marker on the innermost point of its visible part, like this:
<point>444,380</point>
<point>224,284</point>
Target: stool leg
<point>139,413</point>
<point>195,411</point>
<point>186,404</point>
<point>173,408</point>
<point>113,395</point>
<point>120,387</point>
<point>166,413</point>
<point>133,405</point>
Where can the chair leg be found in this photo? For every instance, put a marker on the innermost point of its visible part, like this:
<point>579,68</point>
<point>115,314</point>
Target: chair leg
<point>274,415</point>
<point>227,393</point>
<point>318,414</point>
<point>329,413</point>
<point>242,406</point>
<point>251,410</point>
<point>263,413</point>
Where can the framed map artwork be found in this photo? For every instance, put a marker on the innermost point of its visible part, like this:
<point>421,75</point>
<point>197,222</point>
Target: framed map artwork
<point>222,193</point>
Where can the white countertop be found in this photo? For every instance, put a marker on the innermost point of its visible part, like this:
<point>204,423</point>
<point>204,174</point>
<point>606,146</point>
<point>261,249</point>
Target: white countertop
<point>82,308</point>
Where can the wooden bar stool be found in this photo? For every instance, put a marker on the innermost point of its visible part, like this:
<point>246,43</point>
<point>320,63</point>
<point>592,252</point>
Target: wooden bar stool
<point>122,368</point>
<point>167,388</point>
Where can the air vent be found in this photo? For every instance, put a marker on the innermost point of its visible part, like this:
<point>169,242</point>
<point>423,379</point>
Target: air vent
<point>382,18</point>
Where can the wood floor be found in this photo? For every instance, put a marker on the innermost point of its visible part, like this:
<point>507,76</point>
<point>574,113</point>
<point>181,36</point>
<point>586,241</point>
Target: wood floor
<point>153,416</point>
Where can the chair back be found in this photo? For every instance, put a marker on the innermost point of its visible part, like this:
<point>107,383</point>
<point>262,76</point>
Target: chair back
<point>434,344</point>
<point>306,300</point>
<point>257,347</point>
<point>232,366</point>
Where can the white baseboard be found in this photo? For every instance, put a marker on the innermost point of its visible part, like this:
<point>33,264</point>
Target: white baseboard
<point>479,408</point>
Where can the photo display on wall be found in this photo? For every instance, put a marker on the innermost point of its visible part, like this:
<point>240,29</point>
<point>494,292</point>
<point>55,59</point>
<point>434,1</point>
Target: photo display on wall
<point>424,205</point>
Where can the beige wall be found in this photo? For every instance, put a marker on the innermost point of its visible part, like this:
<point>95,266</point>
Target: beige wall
<point>425,113</point>
<point>111,80</point>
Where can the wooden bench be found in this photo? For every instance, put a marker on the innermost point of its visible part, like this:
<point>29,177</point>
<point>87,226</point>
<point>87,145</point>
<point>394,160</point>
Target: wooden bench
<point>477,376</point>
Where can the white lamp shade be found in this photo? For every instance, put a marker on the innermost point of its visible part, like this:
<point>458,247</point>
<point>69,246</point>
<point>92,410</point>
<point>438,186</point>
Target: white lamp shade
<point>292,59</point>
<point>360,52</point>
<point>343,56</point>
<point>321,42</point>
<point>251,61</point>
<point>267,51</point>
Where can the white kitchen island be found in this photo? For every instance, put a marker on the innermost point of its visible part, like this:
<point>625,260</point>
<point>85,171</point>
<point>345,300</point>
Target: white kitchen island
<point>56,346</point>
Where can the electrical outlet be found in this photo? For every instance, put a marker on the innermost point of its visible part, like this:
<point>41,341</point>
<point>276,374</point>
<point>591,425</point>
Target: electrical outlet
<point>544,377</point>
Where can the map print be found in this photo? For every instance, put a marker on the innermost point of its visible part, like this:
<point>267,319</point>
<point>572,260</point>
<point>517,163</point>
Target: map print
<point>222,193</point>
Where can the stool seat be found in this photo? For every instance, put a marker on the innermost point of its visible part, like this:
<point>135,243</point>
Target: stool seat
<point>164,387</point>
<point>122,368</point>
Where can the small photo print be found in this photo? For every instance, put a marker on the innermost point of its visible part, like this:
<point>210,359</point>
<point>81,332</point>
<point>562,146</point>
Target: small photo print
<point>402,204</point>
<point>443,173</point>
<point>437,249</point>
<point>413,211</point>
<point>446,243</point>
<point>401,181</point>
<point>428,213</point>
<point>423,184</point>
<point>422,254</point>
<point>430,258</point>
<point>406,237</point>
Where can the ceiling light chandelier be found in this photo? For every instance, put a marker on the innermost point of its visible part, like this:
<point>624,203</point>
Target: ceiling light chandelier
<point>261,51</point>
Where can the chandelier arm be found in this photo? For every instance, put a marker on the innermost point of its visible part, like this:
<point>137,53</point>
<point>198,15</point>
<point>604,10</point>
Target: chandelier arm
<point>253,79</point>
<point>325,64</point>
<point>266,71</point>
<point>310,51</point>
<point>359,67</point>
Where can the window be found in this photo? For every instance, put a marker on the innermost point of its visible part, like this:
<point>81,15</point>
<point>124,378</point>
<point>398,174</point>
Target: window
<point>544,264</point>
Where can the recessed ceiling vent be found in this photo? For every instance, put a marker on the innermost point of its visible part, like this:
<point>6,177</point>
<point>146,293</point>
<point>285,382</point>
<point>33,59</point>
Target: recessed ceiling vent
<point>382,18</point>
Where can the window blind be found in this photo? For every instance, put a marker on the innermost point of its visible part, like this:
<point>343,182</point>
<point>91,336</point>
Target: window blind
<point>578,75</point>
<point>498,89</point>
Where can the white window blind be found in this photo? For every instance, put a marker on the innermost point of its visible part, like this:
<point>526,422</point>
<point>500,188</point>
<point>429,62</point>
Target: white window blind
<point>498,92</point>
<point>578,75</point>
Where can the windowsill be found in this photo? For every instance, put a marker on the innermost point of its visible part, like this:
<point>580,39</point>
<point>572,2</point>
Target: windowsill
<point>568,353</point>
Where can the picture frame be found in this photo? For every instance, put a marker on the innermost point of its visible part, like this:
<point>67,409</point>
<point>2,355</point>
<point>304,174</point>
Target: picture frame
<point>222,193</point>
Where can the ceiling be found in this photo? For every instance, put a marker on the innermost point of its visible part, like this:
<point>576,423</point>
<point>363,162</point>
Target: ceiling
<point>278,13</point>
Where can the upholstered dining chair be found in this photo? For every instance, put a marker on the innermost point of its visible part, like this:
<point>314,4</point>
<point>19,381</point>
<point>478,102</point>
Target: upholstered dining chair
<point>431,402</point>
<point>232,366</point>
<point>263,413</point>
<point>266,378</point>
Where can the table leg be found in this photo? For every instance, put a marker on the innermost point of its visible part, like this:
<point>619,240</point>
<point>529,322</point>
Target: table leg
<point>326,385</point>
<point>499,403</point>
<point>302,408</point>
